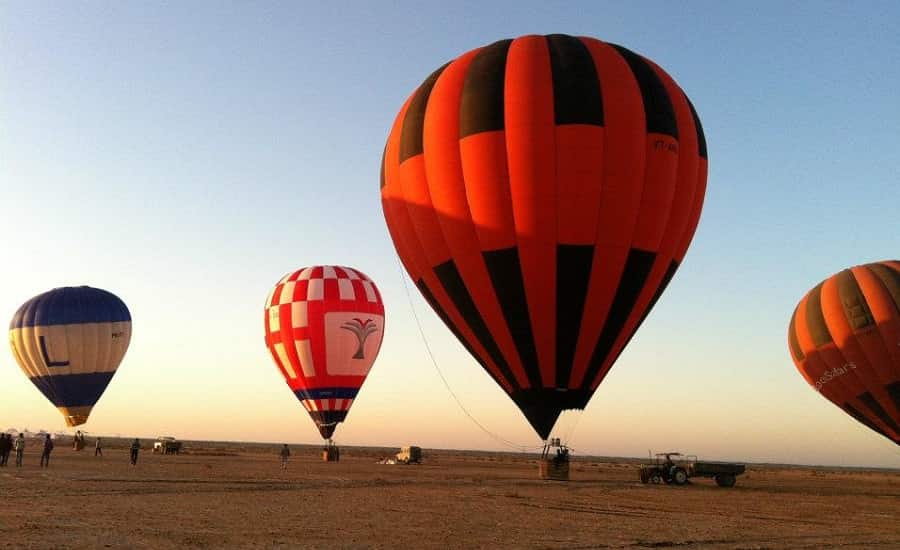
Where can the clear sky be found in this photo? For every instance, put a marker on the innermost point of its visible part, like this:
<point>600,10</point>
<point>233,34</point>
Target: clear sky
<point>186,155</point>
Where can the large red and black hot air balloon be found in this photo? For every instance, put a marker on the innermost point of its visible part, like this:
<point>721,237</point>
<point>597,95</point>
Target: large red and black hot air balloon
<point>324,326</point>
<point>844,338</point>
<point>541,192</point>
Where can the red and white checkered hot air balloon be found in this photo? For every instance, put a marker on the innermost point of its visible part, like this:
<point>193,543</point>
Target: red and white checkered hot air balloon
<point>324,326</point>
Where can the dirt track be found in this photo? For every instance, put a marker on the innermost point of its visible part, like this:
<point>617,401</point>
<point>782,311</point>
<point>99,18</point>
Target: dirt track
<point>231,497</point>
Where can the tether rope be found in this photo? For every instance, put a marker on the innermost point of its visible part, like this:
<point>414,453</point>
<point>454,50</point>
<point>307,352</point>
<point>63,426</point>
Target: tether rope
<point>462,407</point>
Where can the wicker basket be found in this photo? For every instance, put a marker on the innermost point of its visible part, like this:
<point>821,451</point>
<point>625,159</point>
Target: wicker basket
<point>553,469</point>
<point>331,454</point>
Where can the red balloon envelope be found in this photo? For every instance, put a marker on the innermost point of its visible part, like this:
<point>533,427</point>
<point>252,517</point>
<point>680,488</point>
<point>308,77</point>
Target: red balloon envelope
<point>541,192</point>
<point>844,338</point>
<point>324,326</point>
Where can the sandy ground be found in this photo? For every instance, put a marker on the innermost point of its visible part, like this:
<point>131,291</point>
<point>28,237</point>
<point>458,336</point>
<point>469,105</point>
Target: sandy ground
<point>238,497</point>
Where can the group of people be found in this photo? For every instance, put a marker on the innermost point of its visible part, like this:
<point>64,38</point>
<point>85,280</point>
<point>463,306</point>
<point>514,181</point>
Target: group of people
<point>78,444</point>
<point>8,445</point>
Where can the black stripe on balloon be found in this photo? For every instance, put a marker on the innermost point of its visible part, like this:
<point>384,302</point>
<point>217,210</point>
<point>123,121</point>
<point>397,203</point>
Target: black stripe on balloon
<point>411,143</point>
<point>891,281</point>
<point>869,401</point>
<point>506,277</point>
<point>860,417</point>
<point>453,284</point>
<point>481,107</point>
<point>573,273</point>
<point>856,310</point>
<point>634,276</point>
<point>701,137</point>
<point>893,391</point>
<point>667,278</point>
<point>793,341</point>
<point>576,88</point>
<point>657,103</point>
<point>429,297</point>
<point>815,319</point>
<point>383,153</point>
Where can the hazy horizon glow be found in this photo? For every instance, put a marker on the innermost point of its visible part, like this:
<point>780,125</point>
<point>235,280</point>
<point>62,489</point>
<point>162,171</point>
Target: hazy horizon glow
<point>186,157</point>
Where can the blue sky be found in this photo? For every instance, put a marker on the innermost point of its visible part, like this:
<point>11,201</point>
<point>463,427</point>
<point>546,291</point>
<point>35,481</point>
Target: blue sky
<point>186,156</point>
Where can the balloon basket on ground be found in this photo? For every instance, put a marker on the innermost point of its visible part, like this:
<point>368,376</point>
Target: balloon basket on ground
<point>554,462</point>
<point>331,453</point>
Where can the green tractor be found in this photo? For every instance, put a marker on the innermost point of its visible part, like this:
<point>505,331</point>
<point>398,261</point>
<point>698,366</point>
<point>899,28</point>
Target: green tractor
<point>675,469</point>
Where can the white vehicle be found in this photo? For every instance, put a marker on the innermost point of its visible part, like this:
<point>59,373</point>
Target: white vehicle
<point>167,445</point>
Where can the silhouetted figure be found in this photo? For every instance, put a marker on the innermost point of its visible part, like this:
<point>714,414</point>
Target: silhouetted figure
<point>20,449</point>
<point>285,453</point>
<point>45,454</point>
<point>135,447</point>
<point>562,455</point>
<point>98,449</point>
<point>5,448</point>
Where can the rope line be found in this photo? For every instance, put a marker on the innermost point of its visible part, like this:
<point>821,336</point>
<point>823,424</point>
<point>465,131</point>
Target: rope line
<point>571,430</point>
<point>434,362</point>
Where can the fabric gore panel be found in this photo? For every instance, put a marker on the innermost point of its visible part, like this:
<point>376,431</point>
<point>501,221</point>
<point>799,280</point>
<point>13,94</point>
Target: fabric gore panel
<point>657,103</point>
<point>506,277</point>
<point>482,93</point>
<point>637,267</point>
<point>573,272</point>
<point>576,88</point>
<point>453,284</point>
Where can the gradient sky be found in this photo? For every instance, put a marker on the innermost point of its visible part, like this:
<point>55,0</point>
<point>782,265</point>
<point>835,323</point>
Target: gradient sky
<point>187,155</point>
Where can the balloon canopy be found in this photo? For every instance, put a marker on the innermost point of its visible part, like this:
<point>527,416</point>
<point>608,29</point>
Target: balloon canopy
<point>541,192</point>
<point>844,338</point>
<point>69,342</point>
<point>324,326</point>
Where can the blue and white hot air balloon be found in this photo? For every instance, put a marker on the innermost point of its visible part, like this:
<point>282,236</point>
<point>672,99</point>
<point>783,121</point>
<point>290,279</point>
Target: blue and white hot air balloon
<point>70,341</point>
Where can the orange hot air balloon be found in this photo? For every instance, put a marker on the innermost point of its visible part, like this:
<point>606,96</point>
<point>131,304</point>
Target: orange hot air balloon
<point>541,192</point>
<point>844,338</point>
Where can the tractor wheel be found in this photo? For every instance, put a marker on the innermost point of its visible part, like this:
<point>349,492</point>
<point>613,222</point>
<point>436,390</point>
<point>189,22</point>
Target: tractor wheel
<point>725,480</point>
<point>655,479</point>
<point>679,476</point>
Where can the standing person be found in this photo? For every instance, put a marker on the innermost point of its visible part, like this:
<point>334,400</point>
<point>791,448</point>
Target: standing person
<point>285,453</point>
<point>20,449</point>
<point>45,455</point>
<point>98,449</point>
<point>5,448</point>
<point>135,447</point>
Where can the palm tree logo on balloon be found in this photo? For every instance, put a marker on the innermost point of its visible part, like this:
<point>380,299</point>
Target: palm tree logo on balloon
<point>362,330</point>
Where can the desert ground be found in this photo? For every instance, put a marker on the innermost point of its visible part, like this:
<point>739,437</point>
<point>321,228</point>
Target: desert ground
<point>225,495</point>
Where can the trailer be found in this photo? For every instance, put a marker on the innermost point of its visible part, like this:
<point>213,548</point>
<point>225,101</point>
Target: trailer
<point>676,468</point>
